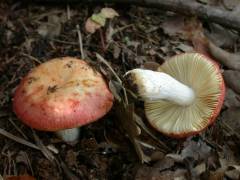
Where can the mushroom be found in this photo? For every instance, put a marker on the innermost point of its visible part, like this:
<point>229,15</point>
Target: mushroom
<point>61,95</point>
<point>183,97</point>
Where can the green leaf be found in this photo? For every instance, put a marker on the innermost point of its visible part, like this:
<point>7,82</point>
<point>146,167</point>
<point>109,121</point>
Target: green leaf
<point>98,18</point>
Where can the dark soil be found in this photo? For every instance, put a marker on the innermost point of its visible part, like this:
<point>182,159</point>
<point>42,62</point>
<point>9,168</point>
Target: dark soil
<point>104,150</point>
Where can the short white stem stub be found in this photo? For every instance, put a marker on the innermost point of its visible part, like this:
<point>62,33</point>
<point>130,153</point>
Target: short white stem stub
<point>153,86</point>
<point>69,135</point>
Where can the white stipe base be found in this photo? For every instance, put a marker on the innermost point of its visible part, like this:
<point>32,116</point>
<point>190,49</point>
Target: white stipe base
<point>154,86</point>
<point>69,135</point>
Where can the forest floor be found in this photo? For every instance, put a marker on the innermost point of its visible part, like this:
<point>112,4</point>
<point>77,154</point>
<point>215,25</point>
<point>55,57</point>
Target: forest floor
<point>31,34</point>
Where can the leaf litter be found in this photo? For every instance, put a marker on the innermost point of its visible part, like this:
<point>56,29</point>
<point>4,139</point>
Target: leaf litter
<point>122,144</point>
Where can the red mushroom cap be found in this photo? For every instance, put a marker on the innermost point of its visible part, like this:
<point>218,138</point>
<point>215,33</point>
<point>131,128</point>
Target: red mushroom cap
<point>60,94</point>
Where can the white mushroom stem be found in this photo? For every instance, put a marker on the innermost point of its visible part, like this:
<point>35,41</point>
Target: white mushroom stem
<point>153,86</point>
<point>69,135</point>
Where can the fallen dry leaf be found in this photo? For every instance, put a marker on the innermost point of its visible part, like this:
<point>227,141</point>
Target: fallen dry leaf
<point>115,88</point>
<point>116,51</point>
<point>230,4</point>
<point>91,26</point>
<point>230,60</point>
<point>220,36</point>
<point>231,79</point>
<point>203,1</point>
<point>199,169</point>
<point>174,26</point>
<point>196,150</point>
<point>216,175</point>
<point>184,48</point>
<point>233,172</point>
<point>152,65</point>
<point>109,13</point>
<point>151,173</point>
<point>71,158</point>
<point>51,28</point>
<point>231,98</point>
<point>98,20</point>
<point>127,116</point>
<point>232,118</point>
<point>164,164</point>
<point>21,177</point>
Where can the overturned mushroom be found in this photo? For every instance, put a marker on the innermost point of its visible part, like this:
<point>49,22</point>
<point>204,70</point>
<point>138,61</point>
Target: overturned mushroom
<point>61,95</point>
<point>183,97</point>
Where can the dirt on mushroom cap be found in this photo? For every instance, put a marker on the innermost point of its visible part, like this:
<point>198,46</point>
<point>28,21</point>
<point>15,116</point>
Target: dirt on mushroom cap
<point>62,93</point>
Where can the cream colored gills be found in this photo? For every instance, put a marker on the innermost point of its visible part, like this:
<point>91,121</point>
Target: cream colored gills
<point>182,96</point>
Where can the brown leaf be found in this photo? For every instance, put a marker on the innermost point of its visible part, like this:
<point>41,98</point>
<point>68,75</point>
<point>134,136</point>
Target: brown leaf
<point>230,60</point>
<point>196,150</point>
<point>232,118</point>
<point>127,116</point>
<point>231,99</point>
<point>199,169</point>
<point>233,172</point>
<point>185,48</point>
<point>165,163</point>
<point>176,157</point>
<point>152,65</point>
<point>91,26</point>
<point>51,28</point>
<point>116,51</point>
<point>174,26</point>
<point>148,173</point>
<point>21,177</point>
<point>231,79</point>
<point>230,4</point>
<point>217,175</point>
<point>220,36</point>
<point>109,13</point>
<point>197,37</point>
<point>151,173</point>
<point>71,158</point>
<point>157,155</point>
<point>98,20</point>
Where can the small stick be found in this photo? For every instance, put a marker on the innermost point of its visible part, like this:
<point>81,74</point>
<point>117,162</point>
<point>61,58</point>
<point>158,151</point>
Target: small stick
<point>68,12</point>
<point>102,40</point>
<point>80,41</point>
<point>115,74</point>
<point>32,58</point>
<point>17,128</point>
<point>43,148</point>
<point>63,42</point>
<point>18,139</point>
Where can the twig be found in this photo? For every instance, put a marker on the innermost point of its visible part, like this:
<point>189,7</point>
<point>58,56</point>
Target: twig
<point>17,128</point>
<point>18,139</point>
<point>115,74</point>
<point>102,39</point>
<point>67,171</point>
<point>80,41</point>
<point>186,7</point>
<point>64,42</point>
<point>68,12</point>
<point>144,127</point>
<point>31,57</point>
<point>229,129</point>
<point>107,64</point>
<point>43,148</point>
<point>143,157</point>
